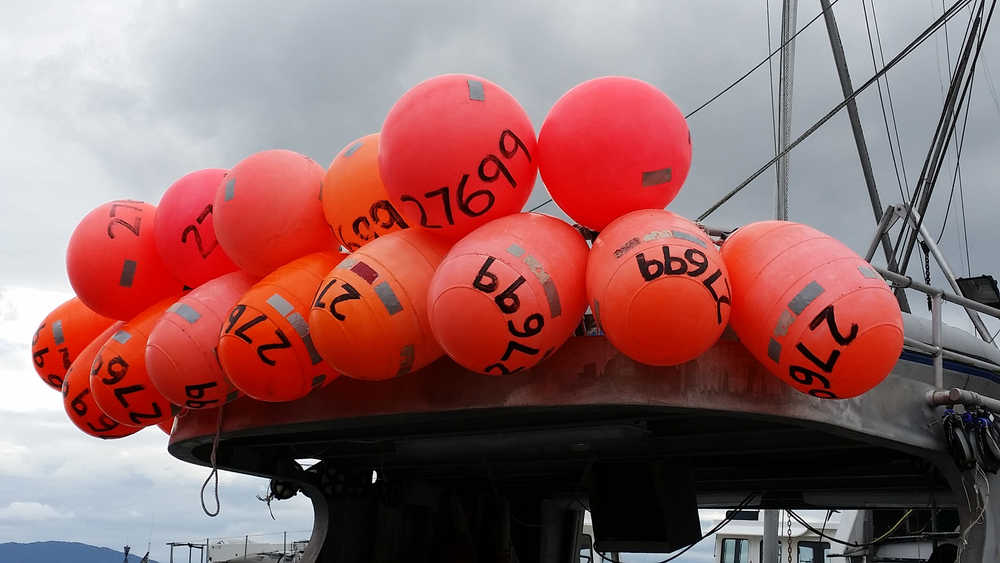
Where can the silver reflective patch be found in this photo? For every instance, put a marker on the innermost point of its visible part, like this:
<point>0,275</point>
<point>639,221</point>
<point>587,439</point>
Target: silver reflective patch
<point>299,323</point>
<point>406,358</point>
<point>388,297</point>
<point>784,321</point>
<point>656,177</point>
<point>476,92</point>
<point>516,250</point>
<point>230,189</point>
<point>354,148</point>
<point>774,351</point>
<point>128,273</point>
<point>121,337</point>
<point>57,332</point>
<point>185,312</point>
<point>280,304</point>
<point>552,294</point>
<point>689,237</point>
<point>869,273</point>
<point>808,294</point>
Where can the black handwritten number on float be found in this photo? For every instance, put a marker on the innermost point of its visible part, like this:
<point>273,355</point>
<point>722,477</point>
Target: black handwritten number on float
<point>391,219</point>
<point>241,333</point>
<point>491,168</point>
<point>117,220</point>
<point>349,294</point>
<point>193,229</point>
<point>693,264</point>
<point>196,394</point>
<point>39,357</point>
<point>509,303</point>
<point>808,376</point>
<point>117,370</point>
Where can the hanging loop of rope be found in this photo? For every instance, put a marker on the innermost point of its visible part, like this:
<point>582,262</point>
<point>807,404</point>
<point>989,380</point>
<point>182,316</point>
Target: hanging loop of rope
<point>215,471</point>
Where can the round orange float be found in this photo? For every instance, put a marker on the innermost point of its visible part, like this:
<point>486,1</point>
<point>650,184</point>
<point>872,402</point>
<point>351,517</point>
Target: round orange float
<point>610,146</point>
<point>78,400</point>
<point>509,293</point>
<point>658,287</point>
<point>119,380</point>
<point>60,338</point>
<point>355,202</point>
<point>457,151</point>
<point>184,229</point>
<point>112,261</point>
<point>266,348</point>
<point>181,352</point>
<point>268,213</point>
<point>369,317</point>
<point>812,311</point>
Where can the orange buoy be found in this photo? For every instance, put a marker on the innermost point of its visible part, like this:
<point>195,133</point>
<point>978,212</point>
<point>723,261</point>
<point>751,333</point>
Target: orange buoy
<point>119,380</point>
<point>266,348</point>
<point>167,425</point>
<point>509,293</point>
<point>457,151</point>
<point>610,146</point>
<point>658,287</point>
<point>181,354</point>
<point>78,400</point>
<point>184,229</point>
<point>355,202</point>
<point>63,334</point>
<point>112,260</point>
<point>369,317</point>
<point>268,213</point>
<point>816,314</point>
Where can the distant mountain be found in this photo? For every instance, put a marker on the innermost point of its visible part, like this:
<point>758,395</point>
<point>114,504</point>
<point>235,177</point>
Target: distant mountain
<point>61,552</point>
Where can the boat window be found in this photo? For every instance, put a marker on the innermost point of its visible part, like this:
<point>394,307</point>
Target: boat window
<point>812,551</point>
<point>735,550</point>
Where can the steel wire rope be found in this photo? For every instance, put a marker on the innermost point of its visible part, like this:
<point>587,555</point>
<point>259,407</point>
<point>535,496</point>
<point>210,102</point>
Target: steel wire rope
<point>888,95</point>
<point>881,101</point>
<point>821,534</point>
<point>743,77</point>
<point>930,30</point>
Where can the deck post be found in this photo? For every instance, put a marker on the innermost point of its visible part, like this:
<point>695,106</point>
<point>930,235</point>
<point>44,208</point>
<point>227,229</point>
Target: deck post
<point>770,535</point>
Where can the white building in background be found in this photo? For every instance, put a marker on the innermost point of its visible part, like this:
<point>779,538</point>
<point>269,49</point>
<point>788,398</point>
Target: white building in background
<point>741,541</point>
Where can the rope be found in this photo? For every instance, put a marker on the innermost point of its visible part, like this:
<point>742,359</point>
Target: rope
<point>215,472</point>
<point>906,51</point>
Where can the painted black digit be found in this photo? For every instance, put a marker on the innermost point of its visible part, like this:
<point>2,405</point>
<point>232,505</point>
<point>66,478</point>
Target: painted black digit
<point>831,322</point>
<point>78,405</point>
<point>137,417</point>
<point>351,246</point>
<point>196,395</point>
<point>827,365</point>
<point>532,326</point>
<point>497,366</point>
<point>394,217</point>
<point>241,331</point>
<point>508,301</point>
<point>444,192</point>
<point>484,273</point>
<point>806,376</point>
<point>234,316</point>
<point>698,259</point>
<point>106,424</point>
<point>822,393</point>
<point>95,368</point>
<point>423,212</point>
<point>284,343</point>
<point>34,337</point>
<point>349,294</point>
<point>39,357</point>
<point>193,229</point>
<point>65,357</point>
<point>518,145</point>
<point>356,227</point>
<point>719,299</point>
<point>117,370</point>
<point>501,168</point>
<point>115,220</point>
<point>465,203</point>
<point>513,346</point>
<point>672,265</point>
<point>122,391</point>
<point>318,303</point>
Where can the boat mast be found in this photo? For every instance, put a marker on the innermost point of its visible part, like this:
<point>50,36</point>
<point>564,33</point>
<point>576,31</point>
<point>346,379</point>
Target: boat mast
<point>840,60</point>
<point>785,74</point>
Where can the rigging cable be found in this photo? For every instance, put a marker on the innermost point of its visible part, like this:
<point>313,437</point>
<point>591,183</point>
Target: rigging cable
<point>770,83</point>
<point>892,107</point>
<point>875,541</point>
<point>902,54</point>
<point>944,132</point>
<point>881,101</point>
<point>743,77</point>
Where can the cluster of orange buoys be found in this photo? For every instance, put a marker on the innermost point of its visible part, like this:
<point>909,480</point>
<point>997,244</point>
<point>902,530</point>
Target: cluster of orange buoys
<point>276,276</point>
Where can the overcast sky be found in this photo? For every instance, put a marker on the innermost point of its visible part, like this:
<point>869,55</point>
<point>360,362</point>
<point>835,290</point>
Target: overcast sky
<point>102,101</point>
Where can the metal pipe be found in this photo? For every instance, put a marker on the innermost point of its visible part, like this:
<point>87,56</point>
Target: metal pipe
<point>936,340</point>
<point>953,396</point>
<point>984,333</point>
<point>907,281</point>
<point>770,535</point>
<point>950,355</point>
<point>880,231</point>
